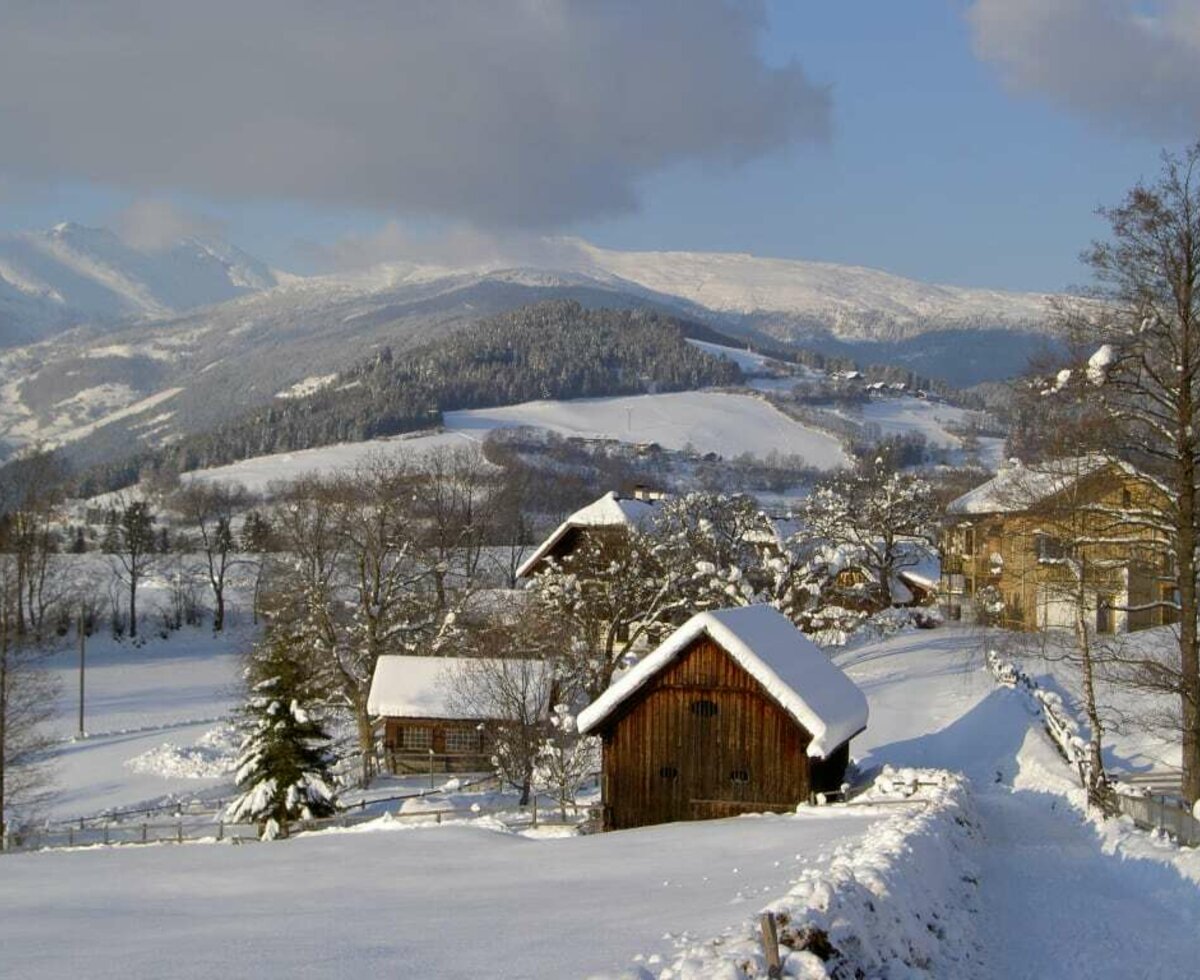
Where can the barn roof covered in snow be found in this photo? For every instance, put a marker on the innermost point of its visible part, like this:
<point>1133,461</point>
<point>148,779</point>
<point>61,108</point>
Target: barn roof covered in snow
<point>424,687</point>
<point>790,667</point>
<point>611,510</point>
<point>1017,488</point>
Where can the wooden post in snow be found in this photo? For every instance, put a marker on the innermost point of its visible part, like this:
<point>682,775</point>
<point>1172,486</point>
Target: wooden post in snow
<point>770,944</point>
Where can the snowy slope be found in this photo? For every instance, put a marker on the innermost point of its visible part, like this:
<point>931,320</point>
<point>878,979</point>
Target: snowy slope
<point>72,274</point>
<point>850,301</point>
<point>708,421</point>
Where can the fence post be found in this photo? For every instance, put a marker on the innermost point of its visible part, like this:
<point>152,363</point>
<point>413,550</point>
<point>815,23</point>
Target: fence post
<point>220,830</point>
<point>179,834</point>
<point>535,810</point>
<point>70,835</point>
<point>144,832</point>
<point>106,832</point>
<point>770,944</point>
<point>4,841</point>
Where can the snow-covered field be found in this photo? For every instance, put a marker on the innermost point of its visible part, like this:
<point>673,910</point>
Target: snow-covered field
<point>1028,887</point>
<point>904,415</point>
<point>707,421</point>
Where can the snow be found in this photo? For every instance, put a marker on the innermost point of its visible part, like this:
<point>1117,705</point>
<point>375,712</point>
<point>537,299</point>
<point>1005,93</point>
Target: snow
<point>308,386</point>
<point>424,687</point>
<point>432,902</point>
<point>706,421</point>
<point>1018,488</point>
<point>611,510</point>
<point>748,361</point>
<point>788,665</point>
<point>1002,877</point>
<point>851,300</point>
<point>1099,363</point>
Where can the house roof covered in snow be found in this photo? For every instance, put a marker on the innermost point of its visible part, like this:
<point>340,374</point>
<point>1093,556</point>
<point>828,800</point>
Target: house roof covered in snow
<point>611,510</point>
<point>424,687</point>
<point>789,666</point>
<point>1017,488</point>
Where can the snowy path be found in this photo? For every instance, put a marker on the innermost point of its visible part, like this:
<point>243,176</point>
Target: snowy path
<point>1053,905</point>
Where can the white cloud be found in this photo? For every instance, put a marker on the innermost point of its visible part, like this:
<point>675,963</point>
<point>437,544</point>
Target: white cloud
<point>1135,65</point>
<point>525,113</point>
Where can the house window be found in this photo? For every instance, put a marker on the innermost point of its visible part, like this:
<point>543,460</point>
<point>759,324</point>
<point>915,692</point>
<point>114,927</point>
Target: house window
<point>739,775</point>
<point>968,540</point>
<point>1105,621</point>
<point>668,772</point>
<point>416,737</point>
<point>462,740</point>
<point>704,708</point>
<point>1049,548</point>
<point>1126,498</point>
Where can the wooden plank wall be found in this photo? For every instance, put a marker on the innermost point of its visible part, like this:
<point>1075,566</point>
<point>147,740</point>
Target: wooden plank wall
<point>701,740</point>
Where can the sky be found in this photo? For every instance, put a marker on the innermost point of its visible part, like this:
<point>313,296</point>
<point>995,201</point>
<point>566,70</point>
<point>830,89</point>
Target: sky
<point>958,141</point>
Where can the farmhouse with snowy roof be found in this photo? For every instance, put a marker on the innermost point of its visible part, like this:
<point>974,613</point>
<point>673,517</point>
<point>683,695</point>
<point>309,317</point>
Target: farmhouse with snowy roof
<point>426,726</point>
<point>1037,544</point>
<point>608,518</point>
<point>736,712</point>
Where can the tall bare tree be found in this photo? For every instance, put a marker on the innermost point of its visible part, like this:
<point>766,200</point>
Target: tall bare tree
<point>27,694</point>
<point>1144,376</point>
<point>210,509</point>
<point>129,538</point>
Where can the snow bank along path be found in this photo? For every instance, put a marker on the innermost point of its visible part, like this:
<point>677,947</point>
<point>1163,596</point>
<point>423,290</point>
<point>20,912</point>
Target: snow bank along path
<point>1059,897</point>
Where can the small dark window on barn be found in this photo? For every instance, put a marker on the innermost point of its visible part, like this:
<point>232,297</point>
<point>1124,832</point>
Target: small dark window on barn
<point>739,775</point>
<point>668,772</point>
<point>1126,498</point>
<point>704,708</point>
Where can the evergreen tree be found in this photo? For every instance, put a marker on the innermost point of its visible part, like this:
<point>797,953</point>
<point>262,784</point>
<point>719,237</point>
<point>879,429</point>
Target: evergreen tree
<point>284,766</point>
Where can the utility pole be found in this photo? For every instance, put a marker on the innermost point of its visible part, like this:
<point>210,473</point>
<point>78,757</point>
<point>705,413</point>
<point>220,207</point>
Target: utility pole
<point>82,664</point>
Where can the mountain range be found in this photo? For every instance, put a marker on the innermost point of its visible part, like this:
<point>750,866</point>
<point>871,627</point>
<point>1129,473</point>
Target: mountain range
<point>137,347</point>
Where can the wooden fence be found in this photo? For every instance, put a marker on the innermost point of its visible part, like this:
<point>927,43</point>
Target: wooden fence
<point>180,831</point>
<point>1148,810</point>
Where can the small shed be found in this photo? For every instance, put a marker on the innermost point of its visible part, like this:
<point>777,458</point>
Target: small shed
<point>736,712</point>
<point>609,517</point>
<point>425,726</point>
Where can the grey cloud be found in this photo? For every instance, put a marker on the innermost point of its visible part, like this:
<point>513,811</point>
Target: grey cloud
<point>525,113</point>
<point>152,223</point>
<point>458,246</point>
<point>1135,65</point>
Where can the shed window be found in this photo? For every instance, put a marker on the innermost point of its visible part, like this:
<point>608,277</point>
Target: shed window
<point>739,775</point>
<point>668,772</point>
<point>704,708</point>
<point>462,740</point>
<point>416,737</point>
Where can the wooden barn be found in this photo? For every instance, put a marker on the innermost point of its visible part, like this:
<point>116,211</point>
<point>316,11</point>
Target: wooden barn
<point>425,726</point>
<point>737,712</point>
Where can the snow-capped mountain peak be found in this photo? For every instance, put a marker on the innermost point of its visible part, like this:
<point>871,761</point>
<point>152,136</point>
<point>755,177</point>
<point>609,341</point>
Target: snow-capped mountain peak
<point>73,274</point>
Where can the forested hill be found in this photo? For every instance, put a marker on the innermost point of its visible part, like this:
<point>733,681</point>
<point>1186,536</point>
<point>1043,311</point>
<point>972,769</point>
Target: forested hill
<point>556,349</point>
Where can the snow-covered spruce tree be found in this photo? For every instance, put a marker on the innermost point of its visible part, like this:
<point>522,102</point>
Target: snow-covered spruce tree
<point>284,766</point>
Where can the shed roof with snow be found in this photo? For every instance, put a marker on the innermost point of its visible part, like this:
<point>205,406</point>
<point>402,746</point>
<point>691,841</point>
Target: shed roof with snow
<point>424,687</point>
<point>611,510</point>
<point>792,670</point>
